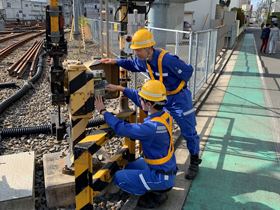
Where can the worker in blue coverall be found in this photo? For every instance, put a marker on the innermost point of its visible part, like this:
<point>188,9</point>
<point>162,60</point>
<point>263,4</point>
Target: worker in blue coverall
<point>154,174</point>
<point>175,74</point>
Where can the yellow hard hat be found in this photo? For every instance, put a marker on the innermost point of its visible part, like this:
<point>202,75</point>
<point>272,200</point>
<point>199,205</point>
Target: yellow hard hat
<point>142,39</point>
<point>153,90</point>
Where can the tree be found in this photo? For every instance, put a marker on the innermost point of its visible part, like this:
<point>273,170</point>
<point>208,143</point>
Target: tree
<point>240,15</point>
<point>238,10</point>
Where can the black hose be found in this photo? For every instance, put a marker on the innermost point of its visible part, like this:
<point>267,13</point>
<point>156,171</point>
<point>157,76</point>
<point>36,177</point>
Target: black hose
<point>9,84</point>
<point>25,87</point>
<point>119,8</point>
<point>25,130</point>
<point>96,122</point>
<point>9,132</point>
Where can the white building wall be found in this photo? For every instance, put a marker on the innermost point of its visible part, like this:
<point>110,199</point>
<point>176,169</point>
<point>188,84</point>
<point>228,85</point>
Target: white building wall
<point>14,4</point>
<point>34,10</point>
<point>175,18</point>
<point>276,7</point>
<point>26,9</point>
<point>203,7</point>
<point>1,4</point>
<point>235,3</point>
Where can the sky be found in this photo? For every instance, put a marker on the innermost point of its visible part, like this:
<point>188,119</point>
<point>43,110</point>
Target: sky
<point>254,3</point>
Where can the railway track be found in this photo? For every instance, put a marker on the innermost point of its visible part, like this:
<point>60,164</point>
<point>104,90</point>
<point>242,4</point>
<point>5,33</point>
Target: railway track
<point>30,56</point>
<point>12,47</point>
<point>14,36</point>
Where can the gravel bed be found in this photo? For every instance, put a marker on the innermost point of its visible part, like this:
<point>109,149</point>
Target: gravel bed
<point>35,108</point>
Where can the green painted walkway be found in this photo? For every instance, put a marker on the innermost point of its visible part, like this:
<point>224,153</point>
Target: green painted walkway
<point>239,169</point>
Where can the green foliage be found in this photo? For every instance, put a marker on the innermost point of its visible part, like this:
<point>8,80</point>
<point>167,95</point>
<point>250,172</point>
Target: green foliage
<point>83,22</point>
<point>240,15</point>
<point>238,10</point>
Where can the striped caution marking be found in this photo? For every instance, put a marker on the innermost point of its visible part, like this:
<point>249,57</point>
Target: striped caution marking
<point>105,175</point>
<point>86,185</point>
<point>83,175</point>
<point>81,91</point>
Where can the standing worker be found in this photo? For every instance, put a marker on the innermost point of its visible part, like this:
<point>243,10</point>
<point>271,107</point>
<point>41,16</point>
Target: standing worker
<point>154,174</point>
<point>264,37</point>
<point>175,74</point>
<point>274,36</point>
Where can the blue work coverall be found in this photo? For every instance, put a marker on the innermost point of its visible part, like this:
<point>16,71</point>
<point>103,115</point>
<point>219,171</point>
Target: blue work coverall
<point>180,104</point>
<point>139,176</point>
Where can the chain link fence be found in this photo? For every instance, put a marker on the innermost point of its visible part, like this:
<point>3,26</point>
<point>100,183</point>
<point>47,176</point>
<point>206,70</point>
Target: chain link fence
<point>198,49</point>
<point>233,35</point>
<point>113,34</point>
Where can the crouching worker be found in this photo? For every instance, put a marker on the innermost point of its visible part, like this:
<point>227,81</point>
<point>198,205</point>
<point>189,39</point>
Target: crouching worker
<point>154,174</point>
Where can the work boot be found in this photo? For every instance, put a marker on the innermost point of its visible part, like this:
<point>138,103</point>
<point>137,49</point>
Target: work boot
<point>152,200</point>
<point>193,168</point>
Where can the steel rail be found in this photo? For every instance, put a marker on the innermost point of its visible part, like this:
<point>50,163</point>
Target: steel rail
<point>10,48</point>
<point>13,66</point>
<point>14,36</point>
<point>18,72</point>
<point>23,68</point>
<point>18,67</point>
<point>35,59</point>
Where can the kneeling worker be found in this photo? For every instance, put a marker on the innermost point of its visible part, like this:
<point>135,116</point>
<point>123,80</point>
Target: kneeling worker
<point>154,174</point>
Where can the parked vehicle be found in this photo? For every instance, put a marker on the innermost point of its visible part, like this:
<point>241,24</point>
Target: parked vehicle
<point>251,20</point>
<point>187,26</point>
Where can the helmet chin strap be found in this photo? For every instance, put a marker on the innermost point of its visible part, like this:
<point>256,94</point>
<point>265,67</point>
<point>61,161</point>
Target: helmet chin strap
<point>149,53</point>
<point>149,112</point>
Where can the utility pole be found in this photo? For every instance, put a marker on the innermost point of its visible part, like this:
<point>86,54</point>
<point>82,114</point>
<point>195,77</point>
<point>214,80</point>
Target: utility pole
<point>268,11</point>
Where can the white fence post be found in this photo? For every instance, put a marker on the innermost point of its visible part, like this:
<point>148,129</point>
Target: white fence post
<point>177,42</point>
<point>207,56</point>
<point>195,64</point>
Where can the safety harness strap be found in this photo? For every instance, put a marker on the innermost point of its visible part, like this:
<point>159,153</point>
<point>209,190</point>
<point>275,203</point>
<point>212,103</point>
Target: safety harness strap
<point>163,160</point>
<point>160,58</point>
<point>172,92</point>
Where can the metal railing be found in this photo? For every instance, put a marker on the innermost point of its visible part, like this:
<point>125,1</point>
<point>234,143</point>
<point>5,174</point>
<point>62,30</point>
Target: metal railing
<point>233,35</point>
<point>196,48</point>
<point>113,34</point>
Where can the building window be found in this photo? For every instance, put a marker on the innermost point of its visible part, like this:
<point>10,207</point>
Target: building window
<point>23,15</point>
<point>26,5</point>
<point>8,4</point>
<point>19,11</point>
<point>36,5</point>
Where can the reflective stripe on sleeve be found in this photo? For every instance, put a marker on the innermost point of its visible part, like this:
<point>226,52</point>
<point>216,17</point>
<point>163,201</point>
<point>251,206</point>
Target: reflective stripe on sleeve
<point>188,112</point>
<point>163,74</point>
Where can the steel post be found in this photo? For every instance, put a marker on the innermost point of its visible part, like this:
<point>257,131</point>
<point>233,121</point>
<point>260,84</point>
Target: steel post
<point>135,27</point>
<point>190,51</point>
<point>195,64</point>
<point>215,54</point>
<point>177,43</point>
<point>76,21</point>
<point>207,56</point>
<point>123,103</point>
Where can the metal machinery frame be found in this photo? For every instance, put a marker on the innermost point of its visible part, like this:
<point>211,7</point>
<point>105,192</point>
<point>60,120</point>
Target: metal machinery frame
<point>125,8</point>
<point>76,84</point>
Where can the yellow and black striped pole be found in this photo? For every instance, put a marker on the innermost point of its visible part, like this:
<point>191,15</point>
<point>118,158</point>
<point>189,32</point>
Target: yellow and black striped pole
<point>54,20</point>
<point>83,179</point>
<point>81,102</point>
<point>83,152</point>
